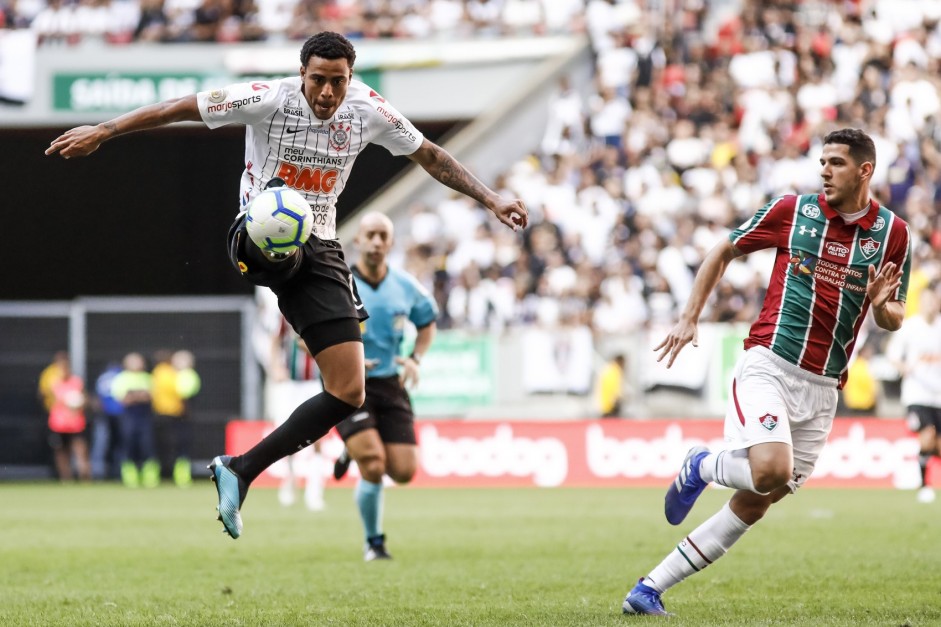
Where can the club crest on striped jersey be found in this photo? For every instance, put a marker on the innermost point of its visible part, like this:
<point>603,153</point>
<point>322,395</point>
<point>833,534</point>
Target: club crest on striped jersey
<point>340,133</point>
<point>802,262</point>
<point>811,211</point>
<point>869,246</point>
<point>768,421</point>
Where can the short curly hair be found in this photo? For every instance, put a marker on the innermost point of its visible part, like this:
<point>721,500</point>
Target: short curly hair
<point>861,146</point>
<point>328,45</point>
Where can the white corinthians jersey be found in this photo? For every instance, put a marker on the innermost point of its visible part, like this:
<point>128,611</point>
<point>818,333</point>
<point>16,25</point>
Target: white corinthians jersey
<point>284,139</point>
<point>918,345</point>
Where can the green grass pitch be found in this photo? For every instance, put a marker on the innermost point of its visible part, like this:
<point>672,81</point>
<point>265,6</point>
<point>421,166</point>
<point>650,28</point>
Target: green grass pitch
<point>104,555</point>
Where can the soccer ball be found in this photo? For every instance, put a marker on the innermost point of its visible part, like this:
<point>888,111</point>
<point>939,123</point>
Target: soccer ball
<point>279,220</point>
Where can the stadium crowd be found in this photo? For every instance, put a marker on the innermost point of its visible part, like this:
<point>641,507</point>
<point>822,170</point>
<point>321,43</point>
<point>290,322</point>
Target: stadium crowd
<point>693,123</point>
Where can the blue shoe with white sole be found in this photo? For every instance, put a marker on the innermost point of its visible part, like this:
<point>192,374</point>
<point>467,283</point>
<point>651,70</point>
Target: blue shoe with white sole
<point>232,490</point>
<point>683,492</point>
<point>643,600</point>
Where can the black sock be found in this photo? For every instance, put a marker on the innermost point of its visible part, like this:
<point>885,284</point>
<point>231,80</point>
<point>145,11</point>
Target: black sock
<point>308,423</point>
<point>923,459</point>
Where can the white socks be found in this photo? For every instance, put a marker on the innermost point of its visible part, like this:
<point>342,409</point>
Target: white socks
<point>707,543</point>
<point>728,468</point>
<point>313,489</point>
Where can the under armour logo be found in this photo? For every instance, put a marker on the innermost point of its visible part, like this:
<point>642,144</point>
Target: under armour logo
<point>804,231</point>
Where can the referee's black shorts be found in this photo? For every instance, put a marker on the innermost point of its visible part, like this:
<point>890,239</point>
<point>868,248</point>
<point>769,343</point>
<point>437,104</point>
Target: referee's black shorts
<point>388,409</point>
<point>315,289</point>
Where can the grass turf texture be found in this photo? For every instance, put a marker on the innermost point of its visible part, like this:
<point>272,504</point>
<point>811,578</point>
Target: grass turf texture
<point>105,555</point>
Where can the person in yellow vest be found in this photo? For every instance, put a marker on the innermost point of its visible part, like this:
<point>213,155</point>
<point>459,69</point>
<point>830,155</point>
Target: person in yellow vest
<point>133,387</point>
<point>861,392</point>
<point>175,383</point>
<point>610,390</point>
<point>50,375</point>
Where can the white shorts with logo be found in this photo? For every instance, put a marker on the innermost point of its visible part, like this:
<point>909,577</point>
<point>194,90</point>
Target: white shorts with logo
<point>773,400</point>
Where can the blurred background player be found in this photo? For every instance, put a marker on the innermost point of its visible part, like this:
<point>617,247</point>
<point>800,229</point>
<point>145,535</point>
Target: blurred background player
<point>106,430</point>
<point>175,383</point>
<point>293,377</point>
<point>133,387</point>
<point>839,255</point>
<point>64,393</point>
<point>380,437</point>
<point>314,287</point>
<point>916,353</point>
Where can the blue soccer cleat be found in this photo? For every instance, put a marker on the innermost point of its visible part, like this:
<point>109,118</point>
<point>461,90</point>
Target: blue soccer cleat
<point>643,600</point>
<point>232,490</point>
<point>687,487</point>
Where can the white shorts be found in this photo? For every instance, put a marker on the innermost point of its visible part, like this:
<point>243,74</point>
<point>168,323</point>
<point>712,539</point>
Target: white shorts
<point>283,397</point>
<point>773,400</point>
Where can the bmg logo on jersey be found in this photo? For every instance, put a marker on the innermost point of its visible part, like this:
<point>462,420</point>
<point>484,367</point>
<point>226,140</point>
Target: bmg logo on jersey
<point>318,180</point>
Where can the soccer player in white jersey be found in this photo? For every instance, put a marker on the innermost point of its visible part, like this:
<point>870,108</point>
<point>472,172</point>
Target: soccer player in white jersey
<point>916,352</point>
<point>305,132</point>
<point>839,255</point>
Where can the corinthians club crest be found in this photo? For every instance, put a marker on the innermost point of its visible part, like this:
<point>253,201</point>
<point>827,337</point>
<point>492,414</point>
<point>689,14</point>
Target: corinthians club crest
<point>340,133</point>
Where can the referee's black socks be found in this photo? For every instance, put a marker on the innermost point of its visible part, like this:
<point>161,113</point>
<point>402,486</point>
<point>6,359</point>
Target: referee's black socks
<point>308,423</point>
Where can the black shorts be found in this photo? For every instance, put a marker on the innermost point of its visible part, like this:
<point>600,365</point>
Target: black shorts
<point>64,440</point>
<point>313,287</point>
<point>921,417</point>
<point>388,409</point>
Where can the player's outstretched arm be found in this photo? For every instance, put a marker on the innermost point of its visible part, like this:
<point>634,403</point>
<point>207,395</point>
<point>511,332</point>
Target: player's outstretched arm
<point>686,329</point>
<point>881,288</point>
<point>449,171</point>
<point>84,140</point>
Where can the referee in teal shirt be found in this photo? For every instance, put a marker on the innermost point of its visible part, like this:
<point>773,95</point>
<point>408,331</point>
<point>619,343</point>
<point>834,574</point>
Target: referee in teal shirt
<point>380,436</point>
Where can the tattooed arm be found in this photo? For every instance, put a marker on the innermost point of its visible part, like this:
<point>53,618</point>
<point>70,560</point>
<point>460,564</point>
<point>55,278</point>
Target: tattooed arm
<point>84,140</point>
<point>449,171</point>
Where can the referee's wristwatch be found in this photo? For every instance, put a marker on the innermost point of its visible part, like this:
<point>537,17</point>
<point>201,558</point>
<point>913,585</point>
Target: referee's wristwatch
<point>416,358</point>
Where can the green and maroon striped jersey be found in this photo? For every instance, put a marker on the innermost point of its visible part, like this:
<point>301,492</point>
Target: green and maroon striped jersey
<point>816,300</point>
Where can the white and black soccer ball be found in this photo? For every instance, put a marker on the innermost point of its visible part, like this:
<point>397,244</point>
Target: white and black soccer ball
<point>279,220</point>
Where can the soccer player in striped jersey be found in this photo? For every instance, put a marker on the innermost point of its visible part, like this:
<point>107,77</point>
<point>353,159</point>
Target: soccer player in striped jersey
<point>304,132</point>
<point>380,437</point>
<point>839,255</point>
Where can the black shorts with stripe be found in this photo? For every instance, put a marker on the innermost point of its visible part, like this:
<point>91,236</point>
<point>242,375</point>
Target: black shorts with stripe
<point>313,288</point>
<point>921,417</point>
<point>388,409</point>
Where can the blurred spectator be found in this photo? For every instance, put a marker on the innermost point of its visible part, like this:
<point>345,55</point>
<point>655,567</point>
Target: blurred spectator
<point>175,383</point>
<point>610,388</point>
<point>106,427</point>
<point>153,24</point>
<point>50,376</point>
<point>861,391</point>
<point>133,387</point>
<point>65,394</point>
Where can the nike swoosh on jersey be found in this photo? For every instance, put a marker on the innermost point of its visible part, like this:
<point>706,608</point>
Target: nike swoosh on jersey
<point>294,130</point>
<point>363,415</point>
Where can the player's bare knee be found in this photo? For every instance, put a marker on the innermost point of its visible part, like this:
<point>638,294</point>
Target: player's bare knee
<point>351,394</point>
<point>402,475</point>
<point>770,477</point>
<point>372,468</point>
